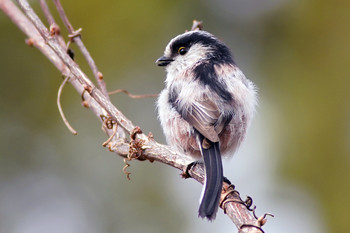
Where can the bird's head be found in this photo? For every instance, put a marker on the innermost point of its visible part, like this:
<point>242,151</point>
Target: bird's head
<point>188,49</point>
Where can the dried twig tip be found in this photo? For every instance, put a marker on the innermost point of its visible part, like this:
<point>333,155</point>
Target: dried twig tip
<point>99,75</point>
<point>54,29</point>
<point>30,41</point>
<point>262,219</point>
<point>197,25</point>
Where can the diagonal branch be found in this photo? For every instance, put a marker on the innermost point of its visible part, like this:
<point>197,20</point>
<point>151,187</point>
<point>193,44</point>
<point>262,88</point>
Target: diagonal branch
<point>137,145</point>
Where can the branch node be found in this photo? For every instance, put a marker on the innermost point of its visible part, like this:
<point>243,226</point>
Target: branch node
<point>73,131</point>
<point>30,42</point>
<point>136,130</point>
<point>109,123</point>
<point>99,75</point>
<point>135,149</point>
<point>84,102</point>
<point>251,225</point>
<point>74,34</point>
<point>197,25</point>
<point>54,30</point>
<point>87,88</point>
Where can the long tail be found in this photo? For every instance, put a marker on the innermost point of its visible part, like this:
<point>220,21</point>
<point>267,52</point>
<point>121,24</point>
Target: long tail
<point>213,184</point>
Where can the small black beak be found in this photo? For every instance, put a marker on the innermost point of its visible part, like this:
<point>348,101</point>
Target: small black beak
<point>163,61</point>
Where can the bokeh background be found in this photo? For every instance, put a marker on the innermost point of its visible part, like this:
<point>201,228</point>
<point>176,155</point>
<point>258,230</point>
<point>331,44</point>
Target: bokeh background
<point>295,162</point>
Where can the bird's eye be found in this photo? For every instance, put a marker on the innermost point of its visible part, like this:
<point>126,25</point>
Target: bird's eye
<point>182,51</point>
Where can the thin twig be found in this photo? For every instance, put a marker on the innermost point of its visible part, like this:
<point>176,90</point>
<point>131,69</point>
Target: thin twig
<point>115,128</point>
<point>63,16</point>
<point>197,25</point>
<point>75,36</point>
<point>54,28</point>
<point>131,95</point>
<point>47,12</point>
<point>73,131</point>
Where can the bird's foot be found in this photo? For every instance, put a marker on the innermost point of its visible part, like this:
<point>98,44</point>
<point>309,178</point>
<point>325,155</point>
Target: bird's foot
<point>186,172</point>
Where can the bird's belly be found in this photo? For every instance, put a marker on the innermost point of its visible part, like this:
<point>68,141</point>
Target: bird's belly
<point>181,135</point>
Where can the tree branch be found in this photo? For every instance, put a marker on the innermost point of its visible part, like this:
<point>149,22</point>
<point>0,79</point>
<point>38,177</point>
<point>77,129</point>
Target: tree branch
<point>76,37</point>
<point>137,145</point>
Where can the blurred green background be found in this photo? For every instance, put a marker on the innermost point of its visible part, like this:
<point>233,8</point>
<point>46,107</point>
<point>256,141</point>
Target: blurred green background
<point>295,162</point>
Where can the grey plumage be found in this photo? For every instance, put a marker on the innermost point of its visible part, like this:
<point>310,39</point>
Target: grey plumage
<point>206,98</point>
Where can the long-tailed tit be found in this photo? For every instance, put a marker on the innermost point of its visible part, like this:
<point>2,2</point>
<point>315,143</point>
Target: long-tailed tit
<point>206,106</point>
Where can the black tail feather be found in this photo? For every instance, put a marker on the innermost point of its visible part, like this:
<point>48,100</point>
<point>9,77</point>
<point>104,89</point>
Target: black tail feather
<point>213,184</point>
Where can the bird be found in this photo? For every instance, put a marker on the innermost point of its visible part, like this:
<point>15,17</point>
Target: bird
<point>206,106</point>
